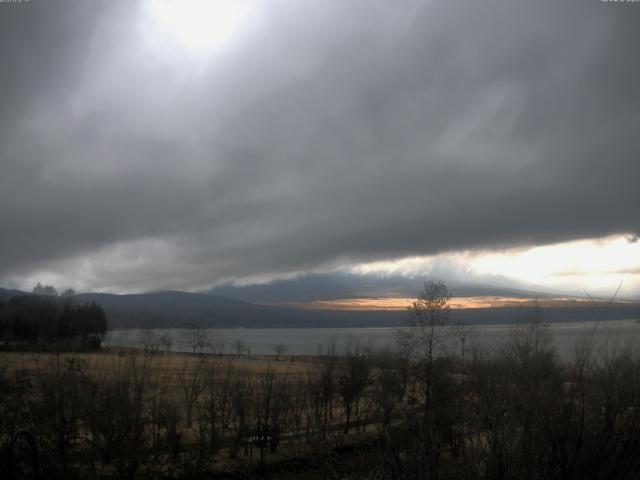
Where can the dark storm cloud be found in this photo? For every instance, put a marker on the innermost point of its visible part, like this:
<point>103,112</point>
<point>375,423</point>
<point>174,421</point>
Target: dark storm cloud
<point>328,132</point>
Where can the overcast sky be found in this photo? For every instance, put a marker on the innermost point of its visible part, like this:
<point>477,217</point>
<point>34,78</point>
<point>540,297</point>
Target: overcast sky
<point>147,146</point>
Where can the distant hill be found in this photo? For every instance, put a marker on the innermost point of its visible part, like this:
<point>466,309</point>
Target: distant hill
<point>174,309</point>
<point>342,285</point>
<point>6,294</point>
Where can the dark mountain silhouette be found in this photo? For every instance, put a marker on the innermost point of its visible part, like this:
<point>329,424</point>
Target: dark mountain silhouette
<point>175,309</point>
<point>341,285</point>
<point>6,294</point>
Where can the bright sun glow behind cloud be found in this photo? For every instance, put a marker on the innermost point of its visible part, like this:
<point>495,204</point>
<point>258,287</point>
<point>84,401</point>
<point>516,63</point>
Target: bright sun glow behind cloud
<point>597,266</point>
<point>589,264</point>
<point>197,24</point>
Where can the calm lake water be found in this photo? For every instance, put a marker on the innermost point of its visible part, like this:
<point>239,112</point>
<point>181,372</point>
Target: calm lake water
<point>305,341</point>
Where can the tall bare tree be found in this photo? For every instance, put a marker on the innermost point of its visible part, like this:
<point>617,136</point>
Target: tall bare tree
<point>425,334</point>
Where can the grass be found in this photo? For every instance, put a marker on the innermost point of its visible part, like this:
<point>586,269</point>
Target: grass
<point>113,359</point>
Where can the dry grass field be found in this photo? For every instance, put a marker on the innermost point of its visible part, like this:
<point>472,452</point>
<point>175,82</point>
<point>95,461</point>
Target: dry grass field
<point>115,359</point>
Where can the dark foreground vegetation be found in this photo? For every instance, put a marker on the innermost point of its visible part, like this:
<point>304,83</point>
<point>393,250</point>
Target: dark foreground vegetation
<point>420,411</point>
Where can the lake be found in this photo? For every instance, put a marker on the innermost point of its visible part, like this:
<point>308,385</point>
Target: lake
<point>305,341</point>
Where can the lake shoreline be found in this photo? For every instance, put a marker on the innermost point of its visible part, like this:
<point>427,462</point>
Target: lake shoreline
<point>307,341</point>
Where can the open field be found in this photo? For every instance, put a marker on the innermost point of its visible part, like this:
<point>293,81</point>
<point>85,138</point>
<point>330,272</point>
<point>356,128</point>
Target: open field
<point>115,359</point>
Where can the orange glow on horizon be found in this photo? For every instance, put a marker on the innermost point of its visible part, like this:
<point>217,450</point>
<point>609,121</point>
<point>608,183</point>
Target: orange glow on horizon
<point>456,303</point>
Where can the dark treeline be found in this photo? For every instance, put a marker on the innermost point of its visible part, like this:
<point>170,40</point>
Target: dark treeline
<point>44,322</point>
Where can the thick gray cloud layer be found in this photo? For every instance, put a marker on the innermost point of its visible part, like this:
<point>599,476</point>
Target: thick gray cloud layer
<point>327,132</point>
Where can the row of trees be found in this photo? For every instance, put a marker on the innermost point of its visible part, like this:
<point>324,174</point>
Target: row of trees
<point>36,320</point>
<point>51,291</point>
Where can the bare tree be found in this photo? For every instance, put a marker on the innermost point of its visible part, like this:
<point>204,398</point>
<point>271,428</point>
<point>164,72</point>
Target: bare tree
<point>196,337</point>
<point>216,411</point>
<point>150,342</point>
<point>279,349</point>
<point>47,290</point>
<point>424,334</point>
<point>327,380</point>
<point>388,391</point>
<point>270,408</point>
<point>239,346</point>
<point>216,343</point>
<point>68,293</point>
<point>192,384</point>
<point>166,341</point>
<point>241,402</point>
<point>353,379</point>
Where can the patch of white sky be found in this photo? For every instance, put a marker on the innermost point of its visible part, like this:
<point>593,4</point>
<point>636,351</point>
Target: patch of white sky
<point>195,28</point>
<point>596,266</point>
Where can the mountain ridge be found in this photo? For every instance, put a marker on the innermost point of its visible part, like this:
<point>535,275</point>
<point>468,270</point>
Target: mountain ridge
<point>174,309</point>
